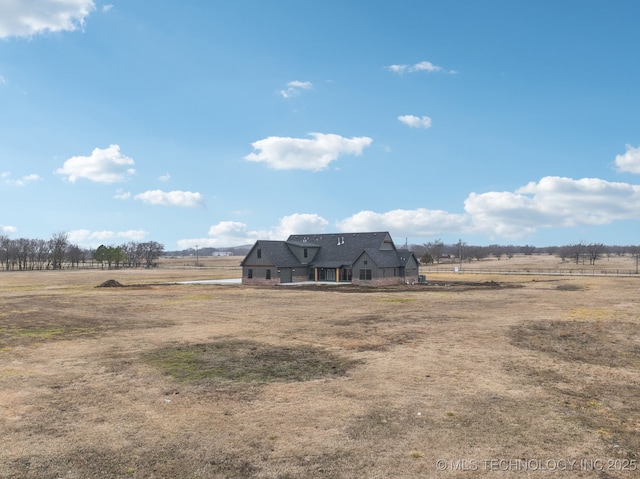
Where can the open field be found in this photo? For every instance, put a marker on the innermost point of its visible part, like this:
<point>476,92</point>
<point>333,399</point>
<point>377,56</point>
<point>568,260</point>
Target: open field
<point>543,264</point>
<point>469,376</point>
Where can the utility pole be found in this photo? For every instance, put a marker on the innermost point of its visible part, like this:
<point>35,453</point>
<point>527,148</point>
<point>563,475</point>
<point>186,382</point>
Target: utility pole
<point>196,256</point>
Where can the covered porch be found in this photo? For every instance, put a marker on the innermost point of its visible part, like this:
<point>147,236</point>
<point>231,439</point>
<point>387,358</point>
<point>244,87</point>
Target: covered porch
<point>338,273</point>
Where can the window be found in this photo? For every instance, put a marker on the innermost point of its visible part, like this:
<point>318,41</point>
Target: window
<point>365,274</point>
<point>259,253</point>
<point>346,274</point>
<point>250,273</point>
<point>306,253</point>
<point>268,274</point>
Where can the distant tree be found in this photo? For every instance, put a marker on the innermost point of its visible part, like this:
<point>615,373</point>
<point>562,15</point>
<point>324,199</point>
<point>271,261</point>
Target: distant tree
<point>58,245</point>
<point>417,250</point>
<point>635,252</point>
<point>461,247</point>
<point>6,251</point>
<point>101,254</point>
<point>575,251</point>
<point>118,255</point>
<point>594,251</point>
<point>528,249</point>
<point>22,249</point>
<point>434,248</point>
<point>132,252</point>
<point>151,251</point>
<point>40,253</point>
<point>74,255</point>
<point>478,252</point>
<point>426,258</point>
<point>496,250</point>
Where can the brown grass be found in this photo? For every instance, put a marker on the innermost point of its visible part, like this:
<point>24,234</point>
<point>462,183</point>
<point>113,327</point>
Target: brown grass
<point>155,380</point>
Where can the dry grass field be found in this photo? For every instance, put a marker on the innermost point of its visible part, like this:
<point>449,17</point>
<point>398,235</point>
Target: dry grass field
<point>468,376</point>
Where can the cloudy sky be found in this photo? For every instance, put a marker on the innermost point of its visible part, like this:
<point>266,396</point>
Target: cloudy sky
<point>217,123</point>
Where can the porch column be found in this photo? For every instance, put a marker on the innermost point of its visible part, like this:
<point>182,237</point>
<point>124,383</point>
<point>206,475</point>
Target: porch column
<point>337,275</point>
<point>315,274</point>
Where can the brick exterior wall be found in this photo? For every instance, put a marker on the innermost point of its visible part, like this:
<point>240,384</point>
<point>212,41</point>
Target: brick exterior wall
<point>388,281</point>
<point>261,281</point>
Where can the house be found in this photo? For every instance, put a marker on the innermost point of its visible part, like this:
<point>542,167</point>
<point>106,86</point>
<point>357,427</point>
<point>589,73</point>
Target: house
<point>359,258</point>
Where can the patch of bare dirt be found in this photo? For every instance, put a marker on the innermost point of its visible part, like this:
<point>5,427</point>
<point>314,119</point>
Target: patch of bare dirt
<point>605,343</point>
<point>457,286</point>
<point>110,283</point>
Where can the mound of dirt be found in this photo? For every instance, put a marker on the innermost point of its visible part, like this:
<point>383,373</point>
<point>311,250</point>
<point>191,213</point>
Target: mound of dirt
<point>110,283</point>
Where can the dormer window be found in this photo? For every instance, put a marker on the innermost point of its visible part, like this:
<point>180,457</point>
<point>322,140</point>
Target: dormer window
<point>259,253</point>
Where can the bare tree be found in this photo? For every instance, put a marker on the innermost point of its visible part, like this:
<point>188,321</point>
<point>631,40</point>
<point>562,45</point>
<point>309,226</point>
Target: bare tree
<point>462,250</point>
<point>152,250</point>
<point>130,250</point>
<point>75,254</point>
<point>635,252</point>
<point>479,252</point>
<point>574,251</point>
<point>22,248</point>
<point>40,253</point>
<point>58,245</point>
<point>4,251</point>
<point>435,248</point>
<point>594,251</point>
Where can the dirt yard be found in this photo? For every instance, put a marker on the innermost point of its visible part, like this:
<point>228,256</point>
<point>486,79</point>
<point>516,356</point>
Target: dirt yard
<point>469,376</point>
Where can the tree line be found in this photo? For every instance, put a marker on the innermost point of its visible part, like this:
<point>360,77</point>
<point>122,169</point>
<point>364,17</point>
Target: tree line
<point>23,254</point>
<point>580,252</point>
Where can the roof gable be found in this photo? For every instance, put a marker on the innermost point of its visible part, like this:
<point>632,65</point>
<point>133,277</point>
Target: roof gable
<point>332,250</point>
<point>342,249</point>
<point>276,252</point>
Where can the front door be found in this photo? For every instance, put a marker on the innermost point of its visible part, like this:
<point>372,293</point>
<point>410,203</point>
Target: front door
<point>285,275</point>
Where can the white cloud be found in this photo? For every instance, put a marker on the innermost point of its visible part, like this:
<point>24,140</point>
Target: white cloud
<point>297,224</point>
<point>26,18</point>
<point>233,229</point>
<point>89,238</point>
<point>294,88</point>
<point>122,195</point>
<point>423,66</point>
<point>3,80</point>
<point>417,222</point>
<point>8,230</point>
<point>106,8</point>
<point>415,121</point>
<point>185,199</point>
<point>630,161</point>
<point>553,202</point>
<point>103,166</point>
<point>282,153</point>
<point>164,178</point>
<point>32,178</point>
<point>233,233</point>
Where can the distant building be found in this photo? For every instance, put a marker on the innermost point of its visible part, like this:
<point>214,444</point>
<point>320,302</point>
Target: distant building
<point>222,253</point>
<point>360,258</point>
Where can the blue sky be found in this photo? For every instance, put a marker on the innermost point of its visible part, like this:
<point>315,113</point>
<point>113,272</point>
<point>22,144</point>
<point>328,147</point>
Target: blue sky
<point>216,123</point>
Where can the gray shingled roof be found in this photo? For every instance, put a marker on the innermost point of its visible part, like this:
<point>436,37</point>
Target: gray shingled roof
<point>342,249</point>
<point>279,254</point>
<point>403,256</point>
<point>335,250</point>
<point>383,259</point>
